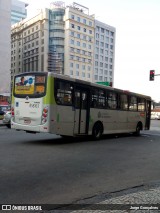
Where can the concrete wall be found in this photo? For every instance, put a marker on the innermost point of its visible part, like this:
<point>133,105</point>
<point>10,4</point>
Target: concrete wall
<point>5,45</point>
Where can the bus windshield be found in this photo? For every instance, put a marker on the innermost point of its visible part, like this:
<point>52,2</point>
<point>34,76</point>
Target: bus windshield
<point>31,85</point>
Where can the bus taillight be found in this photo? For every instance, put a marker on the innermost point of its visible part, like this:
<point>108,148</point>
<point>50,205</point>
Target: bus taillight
<point>12,111</point>
<point>44,115</point>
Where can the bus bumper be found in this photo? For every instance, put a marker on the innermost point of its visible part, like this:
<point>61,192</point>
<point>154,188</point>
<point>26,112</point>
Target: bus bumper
<point>27,128</point>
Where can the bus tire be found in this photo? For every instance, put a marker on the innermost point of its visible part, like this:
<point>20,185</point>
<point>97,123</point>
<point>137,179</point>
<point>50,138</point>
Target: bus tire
<point>138,129</point>
<point>97,131</point>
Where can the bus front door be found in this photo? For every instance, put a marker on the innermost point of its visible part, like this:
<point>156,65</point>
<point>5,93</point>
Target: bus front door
<point>81,112</point>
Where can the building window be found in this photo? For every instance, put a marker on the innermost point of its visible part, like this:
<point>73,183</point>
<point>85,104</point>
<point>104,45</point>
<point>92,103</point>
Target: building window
<point>77,58</point>
<point>107,39</point>
<point>102,30</point>
<point>111,40</point>
<point>71,72</point>
<point>96,56</point>
<point>112,33</point>
<point>107,32</point>
<point>78,19</point>
<point>96,77</point>
<point>101,64</point>
<point>72,57</point>
<point>101,51</point>
<point>90,23</point>
<point>88,75</point>
<point>102,44</point>
<point>78,43</point>
<point>78,35</point>
<point>72,41</point>
<point>78,27</point>
<point>72,33</point>
<point>83,74</point>
<point>84,37</point>
<point>83,67</point>
<point>72,49</point>
<point>84,45</point>
<point>106,45</point>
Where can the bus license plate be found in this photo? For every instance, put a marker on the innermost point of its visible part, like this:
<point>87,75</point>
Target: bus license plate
<point>27,121</point>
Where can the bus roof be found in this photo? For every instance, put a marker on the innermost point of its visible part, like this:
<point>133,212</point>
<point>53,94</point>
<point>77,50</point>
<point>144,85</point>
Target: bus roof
<point>66,77</point>
<point>100,86</point>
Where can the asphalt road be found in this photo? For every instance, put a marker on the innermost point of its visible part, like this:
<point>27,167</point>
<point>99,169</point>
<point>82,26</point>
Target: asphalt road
<point>44,168</point>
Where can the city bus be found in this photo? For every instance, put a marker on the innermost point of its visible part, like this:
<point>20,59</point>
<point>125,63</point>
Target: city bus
<point>58,104</point>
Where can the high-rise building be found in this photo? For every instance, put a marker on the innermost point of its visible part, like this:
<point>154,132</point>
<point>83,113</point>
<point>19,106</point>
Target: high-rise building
<point>63,40</point>
<point>104,52</point>
<point>79,42</point>
<point>5,50</point>
<point>18,11</point>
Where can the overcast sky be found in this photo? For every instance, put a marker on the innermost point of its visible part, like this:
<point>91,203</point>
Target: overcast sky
<point>137,49</point>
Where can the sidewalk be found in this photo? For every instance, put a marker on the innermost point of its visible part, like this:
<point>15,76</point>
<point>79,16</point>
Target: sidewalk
<point>146,199</point>
<point>140,199</point>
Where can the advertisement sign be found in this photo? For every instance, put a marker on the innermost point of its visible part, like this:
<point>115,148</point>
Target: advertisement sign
<point>24,85</point>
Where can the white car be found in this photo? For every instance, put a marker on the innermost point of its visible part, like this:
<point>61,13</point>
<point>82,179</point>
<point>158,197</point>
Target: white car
<point>7,119</point>
<point>155,117</point>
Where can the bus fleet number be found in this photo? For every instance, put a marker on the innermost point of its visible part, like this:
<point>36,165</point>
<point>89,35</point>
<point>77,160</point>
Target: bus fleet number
<point>34,105</point>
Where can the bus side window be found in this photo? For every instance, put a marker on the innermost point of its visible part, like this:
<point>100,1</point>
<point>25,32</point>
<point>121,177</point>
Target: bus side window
<point>141,104</point>
<point>112,100</point>
<point>124,102</point>
<point>94,102</point>
<point>64,93</point>
<point>77,99</point>
<point>101,99</point>
<point>133,103</point>
<point>67,99</point>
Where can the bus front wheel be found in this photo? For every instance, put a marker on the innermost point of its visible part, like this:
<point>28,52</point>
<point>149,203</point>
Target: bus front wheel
<point>97,130</point>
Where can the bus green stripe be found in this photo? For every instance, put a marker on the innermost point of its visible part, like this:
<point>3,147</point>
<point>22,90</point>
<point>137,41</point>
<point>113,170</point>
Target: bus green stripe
<point>49,98</point>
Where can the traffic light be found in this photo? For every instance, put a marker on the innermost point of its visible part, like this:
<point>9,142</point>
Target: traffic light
<point>151,76</point>
<point>110,84</point>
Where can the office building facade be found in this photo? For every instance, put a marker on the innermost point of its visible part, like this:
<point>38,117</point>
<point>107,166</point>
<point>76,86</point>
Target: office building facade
<point>18,11</point>
<point>59,39</point>
<point>104,52</point>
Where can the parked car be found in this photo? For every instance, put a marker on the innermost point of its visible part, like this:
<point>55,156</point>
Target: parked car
<point>155,116</point>
<point>7,119</point>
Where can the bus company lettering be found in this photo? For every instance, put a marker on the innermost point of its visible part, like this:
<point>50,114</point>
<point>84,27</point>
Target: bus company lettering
<point>103,115</point>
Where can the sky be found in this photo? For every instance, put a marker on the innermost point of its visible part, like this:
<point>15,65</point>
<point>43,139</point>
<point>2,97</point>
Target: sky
<point>137,47</point>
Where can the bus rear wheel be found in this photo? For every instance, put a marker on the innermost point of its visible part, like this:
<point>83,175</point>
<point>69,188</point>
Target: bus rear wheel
<point>138,129</point>
<point>97,131</point>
